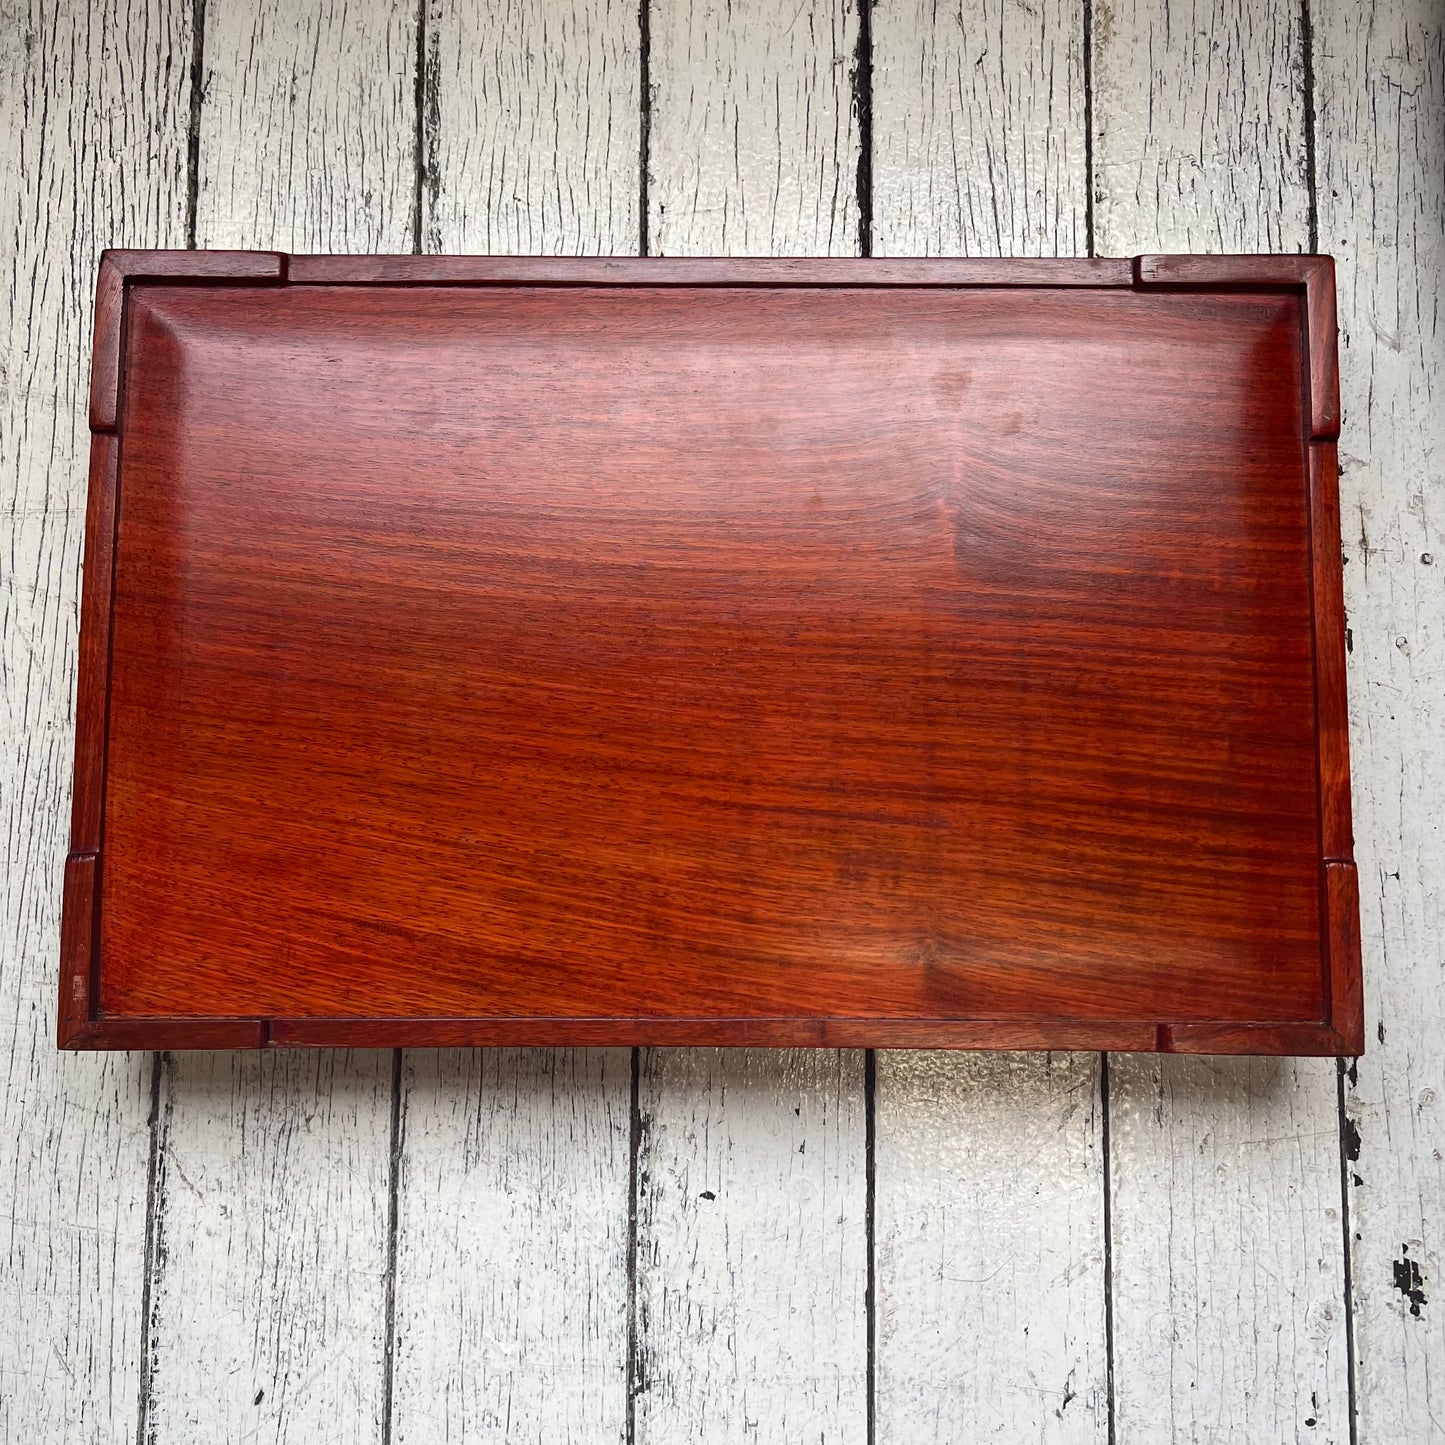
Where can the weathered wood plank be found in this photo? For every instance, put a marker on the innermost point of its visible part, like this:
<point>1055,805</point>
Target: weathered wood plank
<point>268,1303</point>
<point>990,1248</point>
<point>269,1295</point>
<point>1229,1315</point>
<point>308,126</point>
<point>754,139</point>
<point>511,1293</point>
<point>978,129</point>
<point>750,1268</point>
<point>532,127</point>
<point>94,105</point>
<point>1380,116</point>
<point>1199,126</point>
<point>1228,1302</point>
<point>751,1175</point>
<point>511,1282</point>
<point>989,1184</point>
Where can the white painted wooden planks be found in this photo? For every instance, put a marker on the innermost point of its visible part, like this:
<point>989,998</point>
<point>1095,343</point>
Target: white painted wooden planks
<point>514,1193</point>
<point>272,1200</point>
<point>979,136</point>
<point>512,1240</point>
<point>990,1249</point>
<point>93,116</point>
<point>989,1177</point>
<point>1228,1291</point>
<point>751,1264</point>
<point>1229,1312</point>
<point>751,1176</point>
<point>533,119</point>
<point>269,1294</point>
<point>1199,126</point>
<point>754,138</point>
<point>1380,119</point>
<point>308,125</point>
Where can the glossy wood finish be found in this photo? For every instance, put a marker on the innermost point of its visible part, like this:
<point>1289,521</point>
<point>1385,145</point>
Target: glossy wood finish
<point>774,652</point>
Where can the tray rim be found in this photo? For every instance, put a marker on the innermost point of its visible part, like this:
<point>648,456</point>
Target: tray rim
<point>1340,1030</point>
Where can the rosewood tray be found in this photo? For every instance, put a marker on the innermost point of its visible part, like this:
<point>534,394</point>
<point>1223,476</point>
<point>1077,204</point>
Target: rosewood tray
<point>895,653</point>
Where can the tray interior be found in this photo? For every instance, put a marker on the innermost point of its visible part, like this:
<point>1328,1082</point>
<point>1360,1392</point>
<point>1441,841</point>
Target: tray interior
<point>578,651</point>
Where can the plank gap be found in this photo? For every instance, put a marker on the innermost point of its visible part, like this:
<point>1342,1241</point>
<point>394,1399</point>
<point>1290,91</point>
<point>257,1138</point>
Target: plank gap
<point>863,111</point>
<point>393,1207</point>
<point>1108,1227</point>
<point>1088,68</point>
<point>634,1148</point>
<point>1311,183</point>
<point>870,1285</point>
<point>149,1266</point>
<point>419,121</point>
<point>1353,1417</point>
<point>644,124</point>
<point>193,131</point>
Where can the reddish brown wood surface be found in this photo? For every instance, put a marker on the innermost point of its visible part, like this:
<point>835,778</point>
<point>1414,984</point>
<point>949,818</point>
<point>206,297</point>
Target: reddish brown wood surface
<point>718,652</point>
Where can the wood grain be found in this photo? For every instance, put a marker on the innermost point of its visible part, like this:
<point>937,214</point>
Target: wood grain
<point>1200,145</point>
<point>93,664</point>
<point>989,1172</point>
<point>794,1032</point>
<point>93,112</point>
<point>1316,274</point>
<point>695,271</point>
<point>1199,121</point>
<point>1220,1173</point>
<point>1331,692</point>
<point>117,268</point>
<point>1380,118</point>
<point>269,1296</point>
<point>513,1199</point>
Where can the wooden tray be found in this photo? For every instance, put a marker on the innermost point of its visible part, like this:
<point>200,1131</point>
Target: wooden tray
<point>896,653</point>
